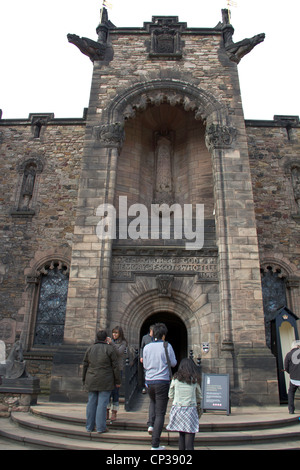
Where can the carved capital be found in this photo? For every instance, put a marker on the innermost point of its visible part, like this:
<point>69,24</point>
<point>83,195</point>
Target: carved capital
<point>110,135</point>
<point>219,137</point>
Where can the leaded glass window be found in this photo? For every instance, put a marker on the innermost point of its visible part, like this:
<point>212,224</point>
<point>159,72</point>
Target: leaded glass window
<point>50,319</point>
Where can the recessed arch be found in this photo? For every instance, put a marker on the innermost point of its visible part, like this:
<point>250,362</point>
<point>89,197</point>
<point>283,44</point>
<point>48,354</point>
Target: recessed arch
<point>149,303</point>
<point>155,92</point>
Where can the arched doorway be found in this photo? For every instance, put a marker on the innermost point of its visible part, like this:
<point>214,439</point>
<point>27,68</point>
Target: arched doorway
<point>177,332</point>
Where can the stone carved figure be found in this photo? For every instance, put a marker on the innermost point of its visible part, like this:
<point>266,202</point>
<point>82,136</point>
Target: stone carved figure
<point>2,359</point>
<point>219,137</point>
<point>15,367</point>
<point>94,50</point>
<point>112,134</point>
<point>37,127</point>
<point>237,50</point>
<point>2,352</point>
<point>27,186</point>
<point>296,185</point>
<point>163,185</point>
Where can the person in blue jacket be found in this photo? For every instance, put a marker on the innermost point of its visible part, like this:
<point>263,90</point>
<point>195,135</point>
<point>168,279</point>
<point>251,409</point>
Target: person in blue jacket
<point>158,358</point>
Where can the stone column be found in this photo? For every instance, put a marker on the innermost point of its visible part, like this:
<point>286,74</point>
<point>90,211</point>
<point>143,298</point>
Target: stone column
<point>242,328</point>
<point>91,260</point>
<point>90,266</point>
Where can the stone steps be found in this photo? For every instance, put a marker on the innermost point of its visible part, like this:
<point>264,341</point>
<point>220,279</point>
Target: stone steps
<point>63,427</point>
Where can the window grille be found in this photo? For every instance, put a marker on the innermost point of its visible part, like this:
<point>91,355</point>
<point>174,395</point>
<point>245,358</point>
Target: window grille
<point>51,311</point>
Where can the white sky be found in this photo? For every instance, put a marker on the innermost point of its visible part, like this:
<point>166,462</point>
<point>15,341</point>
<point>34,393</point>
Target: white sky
<point>41,72</point>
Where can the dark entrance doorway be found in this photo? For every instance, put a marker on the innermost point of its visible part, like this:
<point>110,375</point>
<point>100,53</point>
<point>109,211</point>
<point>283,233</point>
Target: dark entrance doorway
<point>177,333</point>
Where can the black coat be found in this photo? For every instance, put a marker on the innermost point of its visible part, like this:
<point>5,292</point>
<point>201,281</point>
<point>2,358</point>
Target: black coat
<point>100,368</point>
<point>292,363</point>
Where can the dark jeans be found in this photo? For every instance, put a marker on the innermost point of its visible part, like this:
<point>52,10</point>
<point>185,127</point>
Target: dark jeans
<point>291,397</point>
<point>158,394</point>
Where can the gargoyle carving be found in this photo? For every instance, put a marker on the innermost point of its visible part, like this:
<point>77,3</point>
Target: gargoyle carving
<point>94,50</point>
<point>237,50</point>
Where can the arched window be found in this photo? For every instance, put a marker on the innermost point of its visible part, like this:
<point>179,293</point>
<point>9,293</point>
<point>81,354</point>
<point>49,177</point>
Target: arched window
<point>274,295</point>
<point>51,308</point>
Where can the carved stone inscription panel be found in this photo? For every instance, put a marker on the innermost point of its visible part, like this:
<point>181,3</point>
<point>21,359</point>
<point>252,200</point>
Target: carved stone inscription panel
<point>125,267</point>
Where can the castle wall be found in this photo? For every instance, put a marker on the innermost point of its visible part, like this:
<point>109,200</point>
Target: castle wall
<point>246,176</point>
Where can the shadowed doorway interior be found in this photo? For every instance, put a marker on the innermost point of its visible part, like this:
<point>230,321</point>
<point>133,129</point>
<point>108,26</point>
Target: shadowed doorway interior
<point>177,333</point>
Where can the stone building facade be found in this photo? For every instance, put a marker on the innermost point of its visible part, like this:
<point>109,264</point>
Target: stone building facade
<point>165,125</point>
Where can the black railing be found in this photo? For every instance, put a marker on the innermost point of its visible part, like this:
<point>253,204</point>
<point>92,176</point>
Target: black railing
<point>131,380</point>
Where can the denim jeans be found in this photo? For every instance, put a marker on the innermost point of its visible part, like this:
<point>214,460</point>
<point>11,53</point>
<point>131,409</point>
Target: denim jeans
<point>96,410</point>
<point>114,397</point>
<point>158,394</point>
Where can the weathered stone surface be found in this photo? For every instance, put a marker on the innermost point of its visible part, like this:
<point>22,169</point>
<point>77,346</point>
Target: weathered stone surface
<point>242,174</point>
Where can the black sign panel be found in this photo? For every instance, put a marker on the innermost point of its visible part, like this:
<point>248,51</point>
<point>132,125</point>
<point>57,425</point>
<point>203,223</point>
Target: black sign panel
<point>215,391</point>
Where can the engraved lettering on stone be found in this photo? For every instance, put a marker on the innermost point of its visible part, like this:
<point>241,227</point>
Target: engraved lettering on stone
<point>124,266</point>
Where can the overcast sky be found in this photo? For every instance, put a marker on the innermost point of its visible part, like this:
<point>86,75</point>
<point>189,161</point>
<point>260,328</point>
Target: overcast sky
<point>42,72</point>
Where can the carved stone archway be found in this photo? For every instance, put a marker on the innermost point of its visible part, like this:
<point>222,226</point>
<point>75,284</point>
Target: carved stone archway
<point>148,304</point>
<point>155,92</point>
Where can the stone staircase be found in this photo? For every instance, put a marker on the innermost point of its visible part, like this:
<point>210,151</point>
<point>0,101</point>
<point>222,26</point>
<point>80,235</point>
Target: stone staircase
<point>55,426</point>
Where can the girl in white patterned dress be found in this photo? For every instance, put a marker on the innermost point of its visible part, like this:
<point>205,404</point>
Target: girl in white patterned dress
<point>186,394</point>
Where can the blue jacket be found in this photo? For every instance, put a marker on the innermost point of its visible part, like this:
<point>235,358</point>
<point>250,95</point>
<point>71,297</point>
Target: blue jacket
<point>155,362</point>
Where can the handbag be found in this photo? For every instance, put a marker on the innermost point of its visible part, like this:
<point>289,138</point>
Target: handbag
<point>168,359</point>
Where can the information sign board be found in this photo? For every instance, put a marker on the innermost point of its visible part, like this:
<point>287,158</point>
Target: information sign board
<point>215,391</point>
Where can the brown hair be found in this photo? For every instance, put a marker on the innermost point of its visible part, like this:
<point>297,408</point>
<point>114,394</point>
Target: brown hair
<point>187,372</point>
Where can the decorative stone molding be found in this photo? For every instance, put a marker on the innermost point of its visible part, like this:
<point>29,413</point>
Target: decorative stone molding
<point>164,285</point>
<point>46,267</point>
<point>275,268</point>
<point>175,92</point>
<point>165,37</point>
<point>219,137</point>
<point>110,135</point>
<point>157,97</point>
